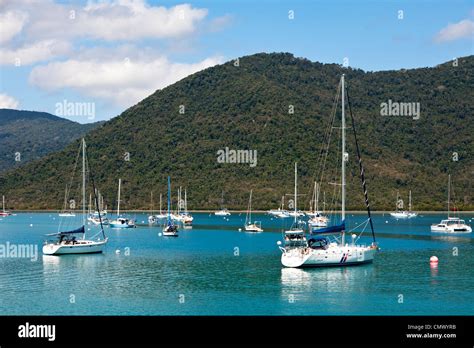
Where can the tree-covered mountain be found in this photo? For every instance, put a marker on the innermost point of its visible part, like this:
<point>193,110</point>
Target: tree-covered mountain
<point>179,130</point>
<point>28,135</point>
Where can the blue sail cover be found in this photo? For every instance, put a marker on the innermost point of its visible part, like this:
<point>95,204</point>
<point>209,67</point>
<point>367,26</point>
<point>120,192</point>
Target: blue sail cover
<point>78,230</point>
<point>330,229</point>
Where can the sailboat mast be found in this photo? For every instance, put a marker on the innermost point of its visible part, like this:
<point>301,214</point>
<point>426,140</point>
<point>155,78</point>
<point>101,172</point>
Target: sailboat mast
<point>296,188</point>
<point>343,165</point>
<point>185,202</point>
<point>409,201</point>
<point>118,201</point>
<point>316,194</point>
<point>449,191</point>
<point>83,183</point>
<point>250,208</point>
<point>3,203</point>
<point>396,202</point>
<point>65,199</point>
<point>169,195</point>
<point>160,204</point>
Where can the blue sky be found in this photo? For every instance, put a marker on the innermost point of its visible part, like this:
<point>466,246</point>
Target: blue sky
<point>114,53</point>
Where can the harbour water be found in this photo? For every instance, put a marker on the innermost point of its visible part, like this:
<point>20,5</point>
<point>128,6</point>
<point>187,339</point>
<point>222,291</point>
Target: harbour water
<point>213,269</point>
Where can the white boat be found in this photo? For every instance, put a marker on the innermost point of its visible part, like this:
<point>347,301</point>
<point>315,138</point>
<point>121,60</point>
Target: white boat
<point>320,250</point>
<point>280,212</point>
<point>186,217</point>
<point>121,222</point>
<point>155,218</point>
<point>296,232</point>
<point>451,224</point>
<point>170,229</point>
<point>317,218</point>
<point>65,212</point>
<point>67,241</point>
<point>223,211</point>
<point>403,214</point>
<point>255,226</point>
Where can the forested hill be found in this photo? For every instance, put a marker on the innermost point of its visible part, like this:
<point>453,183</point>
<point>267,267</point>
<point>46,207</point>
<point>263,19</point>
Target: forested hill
<point>29,135</point>
<point>179,130</point>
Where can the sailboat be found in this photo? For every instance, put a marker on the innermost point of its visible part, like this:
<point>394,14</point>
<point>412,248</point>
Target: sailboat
<point>155,218</point>
<point>94,215</point>
<point>170,230</point>
<point>320,250</point>
<point>4,212</point>
<point>67,242</point>
<point>186,217</point>
<point>403,214</point>
<point>121,222</point>
<point>451,224</point>
<point>65,212</point>
<point>280,212</point>
<point>250,226</point>
<point>296,233</point>
<point>223,211</point>
<point>317,218</point>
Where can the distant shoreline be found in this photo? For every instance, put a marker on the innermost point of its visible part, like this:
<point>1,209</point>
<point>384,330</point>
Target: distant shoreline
<point>237,211</point>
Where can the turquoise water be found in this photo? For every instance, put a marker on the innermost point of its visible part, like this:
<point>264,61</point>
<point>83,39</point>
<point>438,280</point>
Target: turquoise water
<point>199,273</point>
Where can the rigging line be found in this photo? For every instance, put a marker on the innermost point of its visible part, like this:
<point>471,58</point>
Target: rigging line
<point>95,197</point>
<point>326,138</point>
<point>361,167</point>
<point>68,191</point>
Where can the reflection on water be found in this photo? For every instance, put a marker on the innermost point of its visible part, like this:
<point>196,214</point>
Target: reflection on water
<point>151,271</point>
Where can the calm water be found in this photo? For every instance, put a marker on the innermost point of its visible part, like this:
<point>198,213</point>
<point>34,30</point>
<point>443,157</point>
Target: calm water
<point>199,274</point>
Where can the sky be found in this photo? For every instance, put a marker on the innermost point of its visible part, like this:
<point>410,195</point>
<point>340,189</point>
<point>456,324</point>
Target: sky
<point>90,60</point>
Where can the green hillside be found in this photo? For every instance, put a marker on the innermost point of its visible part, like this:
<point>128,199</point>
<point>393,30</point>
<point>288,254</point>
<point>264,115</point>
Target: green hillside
<point>247,107</point>
<point>29,135</point>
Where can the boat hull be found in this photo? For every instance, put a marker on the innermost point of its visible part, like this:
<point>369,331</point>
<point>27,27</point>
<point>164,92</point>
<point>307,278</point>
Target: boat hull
<point>114,225</point>
<point>83,247</point>
<point>403,215</point>
<point>335,256</point>
<point>451,229</point>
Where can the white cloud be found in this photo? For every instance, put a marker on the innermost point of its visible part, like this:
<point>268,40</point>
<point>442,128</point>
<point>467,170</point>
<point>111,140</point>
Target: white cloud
<point>11,23</point>
<point>462,29</point>
<point>123,82</point>
<point>8,102</point>
<point>32,53</point>
<point>111,20</point>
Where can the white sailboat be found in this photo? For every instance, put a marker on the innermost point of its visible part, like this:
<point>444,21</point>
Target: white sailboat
<point>317,218</point>
<point>94,215</point>
<point>296,233</point>
<point>280,212</point>
<point>65,212</point>
<point>321,251</point>
<point>67,242</point>
<point>451,224</point>
<point>255,226</point>
<point>4,212</point>
<point>403,214</point>
<point>222,211</point>
<point>170,229</point>
<point>155,218</point>
<point>186,217</point>
<point>121,222</point>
